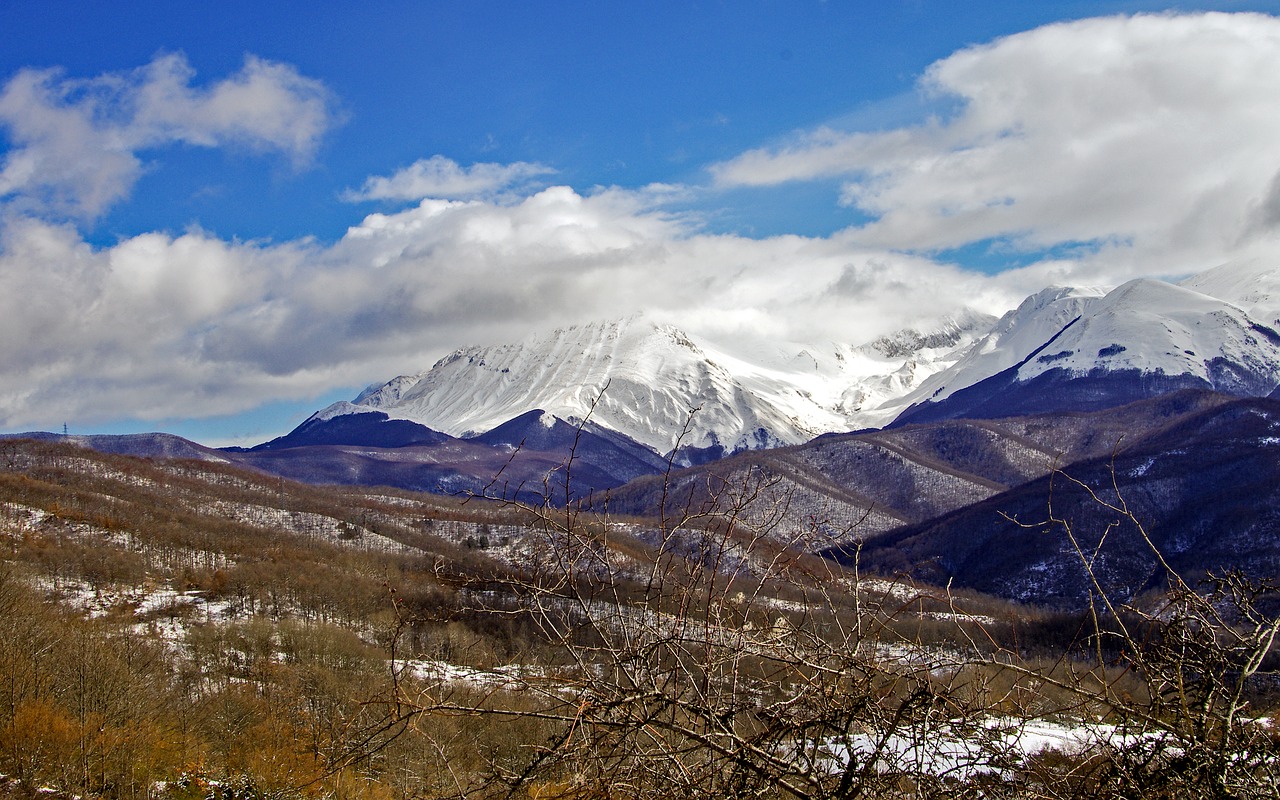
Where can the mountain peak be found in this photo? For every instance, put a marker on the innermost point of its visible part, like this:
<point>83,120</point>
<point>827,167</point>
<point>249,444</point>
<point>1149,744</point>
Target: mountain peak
<point>635,370</point>
<point>946,332</point>
<point>665,387</point>
<point>647,379</point>
<point>1251,284</point>
<point>1079,351</point>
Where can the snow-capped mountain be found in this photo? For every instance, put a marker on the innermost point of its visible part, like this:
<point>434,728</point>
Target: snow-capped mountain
<point>1080,349</point>
<point>1014,337</point>
<point>1254,286</point>
<point>1063,348</point>
<point>644,378</point>
<point>1155,327</point>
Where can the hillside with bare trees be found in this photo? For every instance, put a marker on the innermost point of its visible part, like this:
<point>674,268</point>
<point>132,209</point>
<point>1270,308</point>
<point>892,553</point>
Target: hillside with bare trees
<point>187,629</point>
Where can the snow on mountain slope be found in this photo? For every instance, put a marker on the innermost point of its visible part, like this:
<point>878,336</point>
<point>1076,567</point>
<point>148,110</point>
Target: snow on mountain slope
<point>1215,330</point>
<point>1095,346</point>
<point>1252,285</point>
<point>653,374</point>
<point>1018,333</point>
<point>1156,327</point>
<point>656,374</point>
<point>1145,327</point>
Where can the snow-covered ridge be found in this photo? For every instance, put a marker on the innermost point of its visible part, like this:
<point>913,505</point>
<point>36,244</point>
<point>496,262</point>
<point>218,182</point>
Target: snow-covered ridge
<point>340,409</point>
<point>1145,326</point>
<point>1014,337</point>
<point>1251,285</point>
<point>1155,327</point>
<point>948,333</point>
<point>645,379</point>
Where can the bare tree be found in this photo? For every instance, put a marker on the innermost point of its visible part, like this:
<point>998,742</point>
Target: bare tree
<point>711,655</point>
<point>1175,679</point>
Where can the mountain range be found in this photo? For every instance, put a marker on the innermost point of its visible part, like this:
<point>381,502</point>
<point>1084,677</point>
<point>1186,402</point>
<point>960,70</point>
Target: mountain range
<point>1199,493</point>
<point>644,379</point>
<point>1062,349</point>
<point>1150,409</point>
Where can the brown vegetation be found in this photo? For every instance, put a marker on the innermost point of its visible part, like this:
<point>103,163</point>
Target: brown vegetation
<point>188,630</point>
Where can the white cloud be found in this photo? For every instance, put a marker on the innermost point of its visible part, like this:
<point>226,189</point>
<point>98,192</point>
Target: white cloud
<point>443,178</point>
<point>1150,137</point>
<point>266,105</point>
<point>74,143</point>
<point>1155,134</point>
<point>189,326</point>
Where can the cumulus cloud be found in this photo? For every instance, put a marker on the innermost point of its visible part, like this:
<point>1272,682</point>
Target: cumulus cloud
<point>444,178</point>
<point>1149,140</point>
<point>75,142</point>
<point>189,325</point>
<point>1152,136</point>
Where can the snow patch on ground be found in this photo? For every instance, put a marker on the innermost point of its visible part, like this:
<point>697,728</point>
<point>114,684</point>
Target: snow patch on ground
<point>964,750</point>
<point>140,602</point>
<point>510,677</point>
<point>335,531</point>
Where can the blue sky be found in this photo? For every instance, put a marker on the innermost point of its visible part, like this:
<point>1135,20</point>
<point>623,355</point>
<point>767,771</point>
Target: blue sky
<point>178,181</point>
<point>605,93</point>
